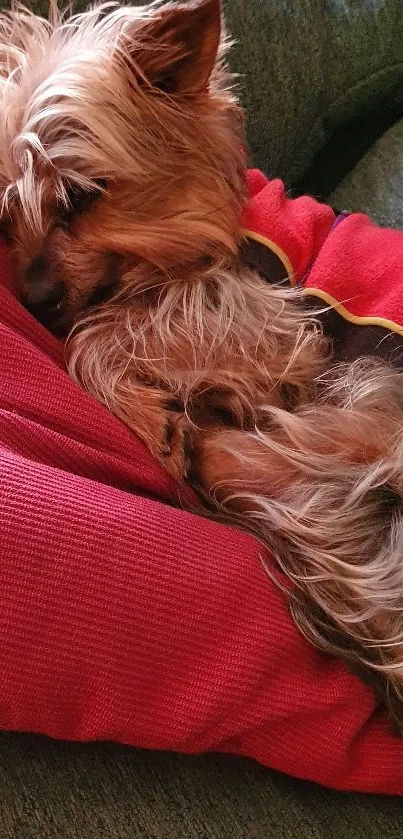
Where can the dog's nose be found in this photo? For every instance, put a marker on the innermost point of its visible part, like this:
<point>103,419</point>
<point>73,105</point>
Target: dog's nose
<point>43,296</point>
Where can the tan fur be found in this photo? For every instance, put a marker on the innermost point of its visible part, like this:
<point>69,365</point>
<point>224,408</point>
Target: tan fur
<point>189,348</point>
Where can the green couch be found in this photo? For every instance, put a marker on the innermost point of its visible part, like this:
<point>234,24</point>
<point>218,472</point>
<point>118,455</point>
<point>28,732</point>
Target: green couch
<point>323,85</point>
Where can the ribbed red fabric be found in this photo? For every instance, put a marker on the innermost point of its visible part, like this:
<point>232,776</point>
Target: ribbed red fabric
<point>126,619</point>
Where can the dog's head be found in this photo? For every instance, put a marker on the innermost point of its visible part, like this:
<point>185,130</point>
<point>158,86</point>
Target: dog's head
<point>121,157</point>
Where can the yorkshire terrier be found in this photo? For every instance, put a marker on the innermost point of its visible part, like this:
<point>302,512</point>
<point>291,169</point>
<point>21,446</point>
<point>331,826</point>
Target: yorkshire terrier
<point>122,184</point>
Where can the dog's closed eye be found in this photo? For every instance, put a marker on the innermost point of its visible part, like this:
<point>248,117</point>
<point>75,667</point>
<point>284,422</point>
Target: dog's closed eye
<point>81,200</point>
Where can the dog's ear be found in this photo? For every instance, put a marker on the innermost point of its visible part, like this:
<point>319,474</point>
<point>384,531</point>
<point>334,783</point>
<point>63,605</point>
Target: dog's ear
<point>178,45</point>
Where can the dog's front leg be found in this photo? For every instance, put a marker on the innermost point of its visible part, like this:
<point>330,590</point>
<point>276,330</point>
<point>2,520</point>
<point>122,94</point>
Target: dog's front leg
<point>159,420</point>
<point>153,412</point>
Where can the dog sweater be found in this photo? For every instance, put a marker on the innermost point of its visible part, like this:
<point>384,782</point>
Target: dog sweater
<point>344,263</point>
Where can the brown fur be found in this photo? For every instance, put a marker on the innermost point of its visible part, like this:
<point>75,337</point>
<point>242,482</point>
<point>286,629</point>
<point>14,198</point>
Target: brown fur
<point>122,177</point>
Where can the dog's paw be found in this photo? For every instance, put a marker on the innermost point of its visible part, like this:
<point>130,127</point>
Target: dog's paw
<point>177,448</point>
<point>163,426</point>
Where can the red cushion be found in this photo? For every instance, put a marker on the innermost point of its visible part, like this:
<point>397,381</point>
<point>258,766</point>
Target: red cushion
<point>125,619</point>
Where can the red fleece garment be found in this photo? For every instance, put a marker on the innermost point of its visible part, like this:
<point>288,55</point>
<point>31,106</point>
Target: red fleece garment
<point>297,228</point>
<point>123,618</point>
<point>354,265</point>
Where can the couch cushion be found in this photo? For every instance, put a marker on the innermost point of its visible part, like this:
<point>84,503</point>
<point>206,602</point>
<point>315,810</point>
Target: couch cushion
<point>375,185</point>
<point>55,790</point>
<point>308,67</point>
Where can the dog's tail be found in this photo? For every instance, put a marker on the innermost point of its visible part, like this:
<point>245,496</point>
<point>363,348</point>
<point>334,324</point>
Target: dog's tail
<point>322,487</point>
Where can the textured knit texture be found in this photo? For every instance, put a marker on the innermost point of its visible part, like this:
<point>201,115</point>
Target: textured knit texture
<point>123,618</point>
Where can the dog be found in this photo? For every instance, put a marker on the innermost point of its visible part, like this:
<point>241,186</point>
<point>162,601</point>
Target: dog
<point>123,182</point>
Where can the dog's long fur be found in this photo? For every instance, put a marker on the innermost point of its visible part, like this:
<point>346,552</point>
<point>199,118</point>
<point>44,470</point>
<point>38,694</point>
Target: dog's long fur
<point>122,178</point>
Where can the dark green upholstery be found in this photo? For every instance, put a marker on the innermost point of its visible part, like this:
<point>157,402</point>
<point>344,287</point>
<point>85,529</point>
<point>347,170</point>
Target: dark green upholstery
<point>54,790</point>
<point>320,78</point>
<point>375,185</point>
<point>309,67</point>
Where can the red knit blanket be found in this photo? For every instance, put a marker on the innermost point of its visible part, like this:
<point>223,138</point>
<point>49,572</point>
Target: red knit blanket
<point>126,619</point>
